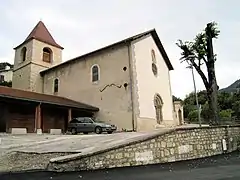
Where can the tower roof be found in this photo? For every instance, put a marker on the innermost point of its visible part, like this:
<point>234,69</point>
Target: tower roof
<point>41,33</point>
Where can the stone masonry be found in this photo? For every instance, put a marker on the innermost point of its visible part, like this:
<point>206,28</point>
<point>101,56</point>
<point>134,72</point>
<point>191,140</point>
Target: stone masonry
<point>180,144</point>
<point>158,147</point>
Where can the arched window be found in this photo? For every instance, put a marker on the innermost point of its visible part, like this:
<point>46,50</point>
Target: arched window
<point>153,56</point>
<point>55,85</point>
<point>23,54</point>
<point>95,73</point>
<point>47,55</point>
<point>158,103</point>
<point>154,63</point>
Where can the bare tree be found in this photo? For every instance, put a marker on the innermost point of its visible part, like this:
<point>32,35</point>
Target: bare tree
<point>199,53</point>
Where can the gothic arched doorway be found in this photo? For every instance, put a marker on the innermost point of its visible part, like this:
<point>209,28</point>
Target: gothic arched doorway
<point>158,103</point>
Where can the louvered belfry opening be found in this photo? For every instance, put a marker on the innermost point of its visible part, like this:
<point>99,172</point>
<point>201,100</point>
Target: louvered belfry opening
<point>47,55</point>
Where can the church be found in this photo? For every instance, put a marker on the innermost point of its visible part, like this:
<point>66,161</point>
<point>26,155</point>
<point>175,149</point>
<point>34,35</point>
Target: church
<point>126,83</point>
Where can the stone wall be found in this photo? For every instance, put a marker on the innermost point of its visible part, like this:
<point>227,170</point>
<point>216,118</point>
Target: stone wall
<point>26,73</point>
<point>177,145</point>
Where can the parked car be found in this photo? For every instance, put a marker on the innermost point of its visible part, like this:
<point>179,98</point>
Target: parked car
<point>87,125</point>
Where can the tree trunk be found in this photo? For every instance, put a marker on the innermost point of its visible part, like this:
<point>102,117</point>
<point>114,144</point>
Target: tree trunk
<point>213,106</point>
<point>213,87</point>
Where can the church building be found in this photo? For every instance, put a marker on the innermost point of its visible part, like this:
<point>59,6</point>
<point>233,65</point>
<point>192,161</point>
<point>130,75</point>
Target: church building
<point>126,83</point>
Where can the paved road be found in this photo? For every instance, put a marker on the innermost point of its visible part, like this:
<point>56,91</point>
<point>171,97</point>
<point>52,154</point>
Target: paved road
<point>224,167</point>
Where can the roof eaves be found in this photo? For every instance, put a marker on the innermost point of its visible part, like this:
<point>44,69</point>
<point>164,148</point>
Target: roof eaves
<point>48,102</point>
<point>161,49</point>
<point>82,56</point>
<point>99,50</point>
<point>55,45</point>
<point>127,40</point>
<point>6,70</point>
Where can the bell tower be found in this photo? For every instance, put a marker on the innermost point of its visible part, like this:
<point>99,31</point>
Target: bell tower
<point>39,51</point>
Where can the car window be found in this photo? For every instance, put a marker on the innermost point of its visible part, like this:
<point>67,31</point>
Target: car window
<point>80,120</point>
<point>88,120</point>
<point>74,121</point>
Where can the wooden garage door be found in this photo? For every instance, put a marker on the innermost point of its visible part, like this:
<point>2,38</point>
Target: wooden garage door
<point>2,118</point>
<point>21,116</point>
<point>53,119</point>
<point>22,121</point>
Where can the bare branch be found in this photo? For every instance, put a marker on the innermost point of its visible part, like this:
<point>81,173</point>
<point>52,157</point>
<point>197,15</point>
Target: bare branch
<point>200,72</point>
<point>192,52</point>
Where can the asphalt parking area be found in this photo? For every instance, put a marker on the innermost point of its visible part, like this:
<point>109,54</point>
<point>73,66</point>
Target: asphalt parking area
<point>60,143</point>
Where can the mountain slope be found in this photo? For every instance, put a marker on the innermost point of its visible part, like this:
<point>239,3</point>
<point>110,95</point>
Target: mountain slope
<point>232,88</point>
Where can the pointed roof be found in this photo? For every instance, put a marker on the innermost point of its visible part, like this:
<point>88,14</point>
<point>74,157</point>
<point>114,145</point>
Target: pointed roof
<point>41,33</point>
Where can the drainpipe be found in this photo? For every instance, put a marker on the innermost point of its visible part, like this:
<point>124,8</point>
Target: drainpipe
<point>133,97</point>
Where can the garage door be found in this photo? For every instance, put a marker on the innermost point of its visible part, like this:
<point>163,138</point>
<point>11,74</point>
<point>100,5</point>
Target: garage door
<point>22,121</point>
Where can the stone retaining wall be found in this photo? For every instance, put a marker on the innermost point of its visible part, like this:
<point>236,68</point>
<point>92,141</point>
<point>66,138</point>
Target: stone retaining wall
<point>180,144</point>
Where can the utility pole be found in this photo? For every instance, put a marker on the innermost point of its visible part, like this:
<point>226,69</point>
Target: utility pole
<point>196,96</point>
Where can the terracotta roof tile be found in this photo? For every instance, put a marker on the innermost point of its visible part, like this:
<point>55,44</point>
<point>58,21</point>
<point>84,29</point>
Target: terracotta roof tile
<point>43,98</point>
<point>41,33</point>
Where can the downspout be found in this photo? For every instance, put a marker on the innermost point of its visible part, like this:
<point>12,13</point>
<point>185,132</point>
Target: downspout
<point>134,122</point>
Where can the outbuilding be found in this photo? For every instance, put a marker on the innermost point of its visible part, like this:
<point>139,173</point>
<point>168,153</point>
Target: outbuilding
<point>37,112</point>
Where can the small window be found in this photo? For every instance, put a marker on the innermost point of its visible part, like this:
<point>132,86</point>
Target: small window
<point>154,63</point>
<point>47,55</point>
<point>1,78</point>
<point>95,73</point>
<point>154,69</point>
<point>23,54</point>
<point>56,83</point>
<point>153,56</point>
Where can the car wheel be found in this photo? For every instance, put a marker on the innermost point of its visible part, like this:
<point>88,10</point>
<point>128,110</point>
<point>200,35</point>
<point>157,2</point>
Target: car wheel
<point>85,133</point>
<point>74,131</point>
<point>98,130</point>
<point>109,132</point>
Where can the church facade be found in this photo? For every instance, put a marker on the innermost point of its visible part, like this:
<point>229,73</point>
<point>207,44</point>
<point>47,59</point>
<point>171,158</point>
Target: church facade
<point>128,81</point>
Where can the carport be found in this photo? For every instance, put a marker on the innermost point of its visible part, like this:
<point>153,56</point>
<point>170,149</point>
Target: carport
<point>38,112</point>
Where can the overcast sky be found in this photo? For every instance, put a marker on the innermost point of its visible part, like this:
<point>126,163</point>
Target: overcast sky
<point>81,26</point>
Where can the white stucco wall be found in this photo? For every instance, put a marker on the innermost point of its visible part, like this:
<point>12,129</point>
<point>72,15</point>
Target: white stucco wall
<point>7,75</point>
<point>148,84</point>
